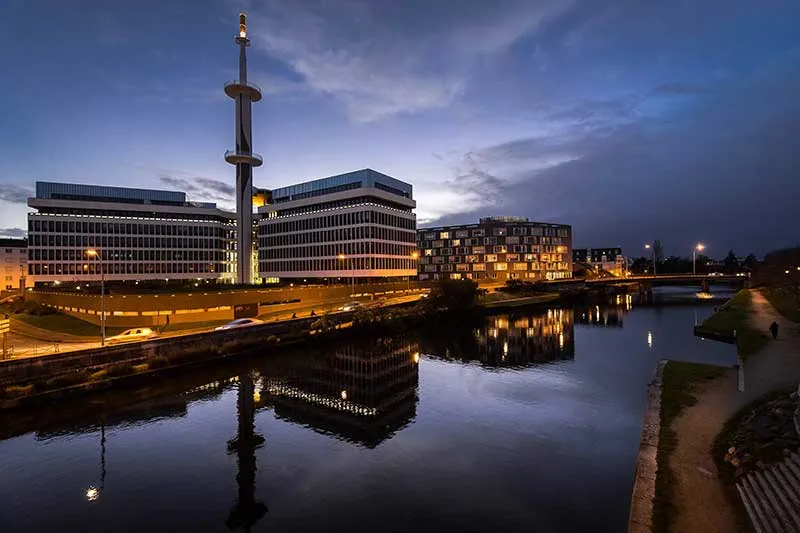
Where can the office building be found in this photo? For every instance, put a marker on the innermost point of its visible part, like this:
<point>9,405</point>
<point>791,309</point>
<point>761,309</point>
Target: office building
<point>138,234</point>
<point>497,248</point>
<point>358,226</point>
<point>14,264</point>
<point>608,259</point>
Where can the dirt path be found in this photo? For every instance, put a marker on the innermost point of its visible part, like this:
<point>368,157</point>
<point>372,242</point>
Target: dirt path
<point>699,497</point>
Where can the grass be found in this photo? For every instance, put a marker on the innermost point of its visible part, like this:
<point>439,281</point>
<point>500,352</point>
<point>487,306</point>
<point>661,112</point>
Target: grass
<point>784,301</point>
<point>63,323</point>
<point>734,316</point>
<point>677,393</point>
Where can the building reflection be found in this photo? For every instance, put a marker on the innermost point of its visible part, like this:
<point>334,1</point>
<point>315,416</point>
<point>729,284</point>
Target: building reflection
<point>607,315</point>
<point>511,341</point>
<point>361,393</point>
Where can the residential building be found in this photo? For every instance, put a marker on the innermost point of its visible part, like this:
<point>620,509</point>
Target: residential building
<point>497,248</point>
<point>358,226</point>
<point>608,259</point>
<point>14,264</point>
<point>138,234</point>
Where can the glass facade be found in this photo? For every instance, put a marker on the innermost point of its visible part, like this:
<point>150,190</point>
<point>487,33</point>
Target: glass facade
<point>351,180</point>
<point>73,191</point>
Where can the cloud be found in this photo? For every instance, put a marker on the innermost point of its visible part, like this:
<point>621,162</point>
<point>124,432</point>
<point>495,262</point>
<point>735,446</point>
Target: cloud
<point>682,89</point>
<point>14,194</point>
<point>379,58</point>
<point>200,187</point>
<point>12,232</point>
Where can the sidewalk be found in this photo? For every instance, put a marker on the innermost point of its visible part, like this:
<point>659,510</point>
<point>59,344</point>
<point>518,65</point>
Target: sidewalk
<point>701,503</point>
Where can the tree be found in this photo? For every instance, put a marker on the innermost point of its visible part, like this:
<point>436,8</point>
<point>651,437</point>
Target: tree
<point>731,263</point>
<point>454,294</point>
<point>641,265</point>
<point>750,262</point>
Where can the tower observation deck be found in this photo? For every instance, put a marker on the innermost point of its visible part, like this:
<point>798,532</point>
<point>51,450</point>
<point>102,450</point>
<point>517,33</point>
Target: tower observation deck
<point>244,93</point>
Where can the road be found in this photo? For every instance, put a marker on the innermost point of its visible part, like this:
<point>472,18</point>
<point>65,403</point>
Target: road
<point>21,346</point>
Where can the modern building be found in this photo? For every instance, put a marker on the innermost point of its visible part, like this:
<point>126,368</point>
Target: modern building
<point>497,248</point>
<point>608,259</point>
<point>137,234</point>
<point>14,264</point>
<point>353,226</point>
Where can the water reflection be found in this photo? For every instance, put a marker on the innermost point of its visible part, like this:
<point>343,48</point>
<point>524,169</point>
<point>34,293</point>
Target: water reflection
<point>361,393</point>
<point>510,341</point>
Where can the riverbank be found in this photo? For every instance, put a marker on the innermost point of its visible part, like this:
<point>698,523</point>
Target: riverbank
<point>690,496</point>
<point>731,323</point>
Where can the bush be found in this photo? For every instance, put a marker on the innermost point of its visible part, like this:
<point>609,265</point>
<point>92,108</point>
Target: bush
<point>121,369</point>
<point>66,380</point>
<point>21,305</point>
<point>144,367</point>
<point>99,375</point>
<point>272,340</point>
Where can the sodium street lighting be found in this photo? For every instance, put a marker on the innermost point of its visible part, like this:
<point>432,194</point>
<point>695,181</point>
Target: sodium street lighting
<point>342,258</point>
<point>99,256</point>
<point>699,247</point>
<point>414,256</point>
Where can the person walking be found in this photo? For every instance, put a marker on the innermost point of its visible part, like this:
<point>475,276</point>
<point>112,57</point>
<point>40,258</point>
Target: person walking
<point>773,328</point>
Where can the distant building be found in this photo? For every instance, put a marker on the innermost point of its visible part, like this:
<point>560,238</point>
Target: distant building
<point>608,259</point>
<point>14,264</point>
<point>141,234</point>
<point>358,225</point>
<point>498,248</point>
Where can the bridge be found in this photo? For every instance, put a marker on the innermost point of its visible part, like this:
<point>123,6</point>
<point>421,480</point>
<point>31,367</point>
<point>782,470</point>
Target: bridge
<point>646,283</point>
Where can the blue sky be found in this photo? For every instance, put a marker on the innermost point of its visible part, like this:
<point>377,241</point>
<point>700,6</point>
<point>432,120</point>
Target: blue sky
<point>632,120</point>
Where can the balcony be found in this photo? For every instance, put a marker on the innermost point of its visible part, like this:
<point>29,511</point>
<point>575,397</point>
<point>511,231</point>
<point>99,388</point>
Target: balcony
<point>235,87</point>
<point>235,157</point>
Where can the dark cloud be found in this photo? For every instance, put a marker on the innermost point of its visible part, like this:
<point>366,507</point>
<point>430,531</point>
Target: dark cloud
<point>725,174</point>
<point>14,194</point>
<point>199,187</point>
<point>12,232</point>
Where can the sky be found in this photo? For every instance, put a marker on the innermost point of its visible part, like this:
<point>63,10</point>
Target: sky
<point>631,120</point>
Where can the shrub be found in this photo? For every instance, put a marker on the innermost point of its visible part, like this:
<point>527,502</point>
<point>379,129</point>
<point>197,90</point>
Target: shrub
<point>121,369</point>
<point>66,380</point>
<point>144,367</point>
<point>98,376</point>
<point>272,340</point>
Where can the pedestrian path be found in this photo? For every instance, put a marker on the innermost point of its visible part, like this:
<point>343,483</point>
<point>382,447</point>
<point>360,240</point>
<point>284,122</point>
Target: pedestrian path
<point>701,503</point>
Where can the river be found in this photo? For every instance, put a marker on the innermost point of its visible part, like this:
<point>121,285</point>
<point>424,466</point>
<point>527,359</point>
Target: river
<point>523,422</point>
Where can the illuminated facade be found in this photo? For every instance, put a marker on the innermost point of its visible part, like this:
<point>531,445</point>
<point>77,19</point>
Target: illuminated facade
<point>608,259</point>
<point>141,234</point>
<point>14,264</point>
<point>363,394</point>
<point>356,225</point>
<point>498,248</point>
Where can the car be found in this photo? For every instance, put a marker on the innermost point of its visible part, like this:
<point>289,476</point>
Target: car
<point>239,323</point>
<point>350,306</point>
<point>131,335</point>
<point>716,274</point>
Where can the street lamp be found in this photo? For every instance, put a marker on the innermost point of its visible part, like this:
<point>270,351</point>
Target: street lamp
<point>99,256</point>
<point>652,255</point>
<point>342,258</point>
<point>414,256</point>
<point>699,247</point>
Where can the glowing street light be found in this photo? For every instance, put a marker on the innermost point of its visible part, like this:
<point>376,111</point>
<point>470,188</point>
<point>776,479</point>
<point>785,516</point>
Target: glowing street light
<point>647,246</point>
<point>341,257</point>
<point>99,256</point>
<point>414,257</point>
<point>699,247</point>
<point>92,493</point>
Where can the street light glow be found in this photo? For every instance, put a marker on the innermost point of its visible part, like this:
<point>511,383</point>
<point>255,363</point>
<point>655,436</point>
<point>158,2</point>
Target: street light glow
<point>647,246</point>
<point>340,256</point>
<point>92,493</point>
<point>700,247</point>
<point>91,253</point>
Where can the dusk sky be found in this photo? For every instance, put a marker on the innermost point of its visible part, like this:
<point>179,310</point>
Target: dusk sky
<point>632,120</point>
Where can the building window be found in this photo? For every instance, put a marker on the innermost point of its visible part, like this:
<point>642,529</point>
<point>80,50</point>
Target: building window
<point>491,258</point>
<point>500,232</point>
<point>479,267</point>
<point>512,240</point>
<point>462,267</point>
<point>478,232</point>
<point>489,240</point>
<point>478,249</point>
<point>500,249</point>
<point>429,252</point>
<point>455,242</point>
<point>472,259</point>
<point>444,235</point>
<point>520,266</point>
<point>512,257</point>
<point>445,251</point>
<point>438,244</point>
<point>500,266</point>
<point>460,234</point>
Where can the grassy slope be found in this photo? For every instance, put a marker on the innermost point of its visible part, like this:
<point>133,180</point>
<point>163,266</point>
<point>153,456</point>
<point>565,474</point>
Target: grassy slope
<point>677,392</point>
<point>784,301</point>
<point>735,316</point>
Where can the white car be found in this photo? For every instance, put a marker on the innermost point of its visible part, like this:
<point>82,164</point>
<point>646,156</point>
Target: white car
<point>350,306</point>
<point>239,323</point>
<point>130,335</point>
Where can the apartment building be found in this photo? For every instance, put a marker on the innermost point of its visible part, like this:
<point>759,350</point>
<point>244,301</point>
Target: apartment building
<point>77,231</point>
<point>608,259</point>
<point>359,225</point>
<point>498,248</point>
<point>14,264</point>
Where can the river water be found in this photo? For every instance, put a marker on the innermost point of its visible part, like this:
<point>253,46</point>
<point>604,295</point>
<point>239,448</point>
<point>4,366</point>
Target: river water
<point>523,422</point>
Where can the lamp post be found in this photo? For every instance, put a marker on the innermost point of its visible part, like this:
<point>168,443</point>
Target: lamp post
<point>414,257</point>
<point>652,256</point>
<point>99,256</point>
<point>699,247</point>
<point>342,258</point>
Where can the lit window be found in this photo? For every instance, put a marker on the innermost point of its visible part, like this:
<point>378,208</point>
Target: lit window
<point>444,235</point>
<point>500,266</point>
<point>490,258</point>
